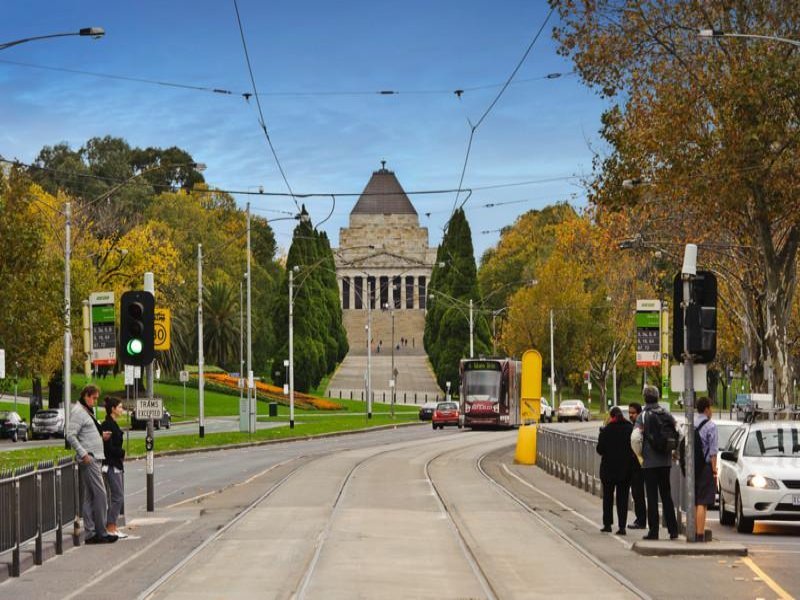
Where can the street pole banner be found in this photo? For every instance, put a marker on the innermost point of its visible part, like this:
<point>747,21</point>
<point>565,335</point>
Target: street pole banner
<point>162,328</point>
<point>648,333</point>
<point>104,331</point>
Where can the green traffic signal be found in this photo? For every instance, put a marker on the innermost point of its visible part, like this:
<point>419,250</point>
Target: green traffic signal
<point>134,347</point>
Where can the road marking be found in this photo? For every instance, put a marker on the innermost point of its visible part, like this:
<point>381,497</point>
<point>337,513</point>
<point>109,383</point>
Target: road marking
<point>773,585</point>
<point>77,593</point>
<point>561,504</point>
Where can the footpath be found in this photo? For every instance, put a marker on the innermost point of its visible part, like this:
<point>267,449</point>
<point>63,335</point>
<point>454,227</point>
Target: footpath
<point>671,569</point>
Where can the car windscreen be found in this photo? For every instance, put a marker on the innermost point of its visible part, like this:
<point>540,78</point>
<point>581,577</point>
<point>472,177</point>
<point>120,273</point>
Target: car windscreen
<point>780,441</point>
<point>569,404</point>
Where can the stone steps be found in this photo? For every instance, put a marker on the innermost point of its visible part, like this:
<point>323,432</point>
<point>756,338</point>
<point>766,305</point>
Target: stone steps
<point>409,324</point>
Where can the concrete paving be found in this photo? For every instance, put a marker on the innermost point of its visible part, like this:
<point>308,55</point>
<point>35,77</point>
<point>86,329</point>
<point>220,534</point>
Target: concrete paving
<point>414,376</point>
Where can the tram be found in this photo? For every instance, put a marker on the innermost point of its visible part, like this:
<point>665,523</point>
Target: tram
<point>490,392</point>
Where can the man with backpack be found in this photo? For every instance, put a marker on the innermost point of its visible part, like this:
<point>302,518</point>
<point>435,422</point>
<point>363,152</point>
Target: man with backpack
<point>654,439</point>
<point>706,442</point>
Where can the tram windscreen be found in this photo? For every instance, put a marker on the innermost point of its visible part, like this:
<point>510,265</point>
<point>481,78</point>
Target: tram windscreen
<point>482,385</point>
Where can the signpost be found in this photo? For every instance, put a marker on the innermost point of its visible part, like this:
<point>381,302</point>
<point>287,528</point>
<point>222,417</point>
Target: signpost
<point>184,377</point>
<point>103,329</point>
<point>162,331</point>
<point>149,408</point>
<point>648,333</point>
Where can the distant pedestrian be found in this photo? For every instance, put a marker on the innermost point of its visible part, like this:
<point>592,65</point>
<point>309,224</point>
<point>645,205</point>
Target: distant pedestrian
<point>637,478</point>
<point>705,464</point>
<point>653,440</point>
<point>86,437</point>
<point>614,445</point>
<point>113,466</point>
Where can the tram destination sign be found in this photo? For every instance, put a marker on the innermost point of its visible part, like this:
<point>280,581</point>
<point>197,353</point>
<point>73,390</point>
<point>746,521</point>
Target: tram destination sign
<point>482,365</point>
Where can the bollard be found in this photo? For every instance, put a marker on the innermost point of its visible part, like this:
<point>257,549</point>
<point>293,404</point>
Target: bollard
<point>525,453</point>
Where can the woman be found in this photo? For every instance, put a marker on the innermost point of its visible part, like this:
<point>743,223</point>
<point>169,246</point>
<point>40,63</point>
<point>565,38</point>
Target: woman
<point>614,445</point>
<point>113,464</point>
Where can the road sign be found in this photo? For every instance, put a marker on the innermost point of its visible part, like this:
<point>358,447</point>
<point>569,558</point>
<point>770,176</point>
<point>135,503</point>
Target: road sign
<point>700,383</point>
<point>128,374</point>
<point>163,328</point>
<point>183,376</point>
<point>149,408</point>
<point>648,333</point>
<point>104,330</point>
<point>2,364</point>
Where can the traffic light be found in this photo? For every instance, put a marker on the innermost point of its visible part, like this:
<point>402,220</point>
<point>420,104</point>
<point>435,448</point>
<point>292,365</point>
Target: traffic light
<point>701,318</point>
<point>136,338</point>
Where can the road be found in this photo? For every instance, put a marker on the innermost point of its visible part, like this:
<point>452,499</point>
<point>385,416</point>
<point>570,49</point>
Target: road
<point>397,513</point>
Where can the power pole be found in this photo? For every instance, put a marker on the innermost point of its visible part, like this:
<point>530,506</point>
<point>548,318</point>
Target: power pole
<point>688,273</point>
<point>200,358</point>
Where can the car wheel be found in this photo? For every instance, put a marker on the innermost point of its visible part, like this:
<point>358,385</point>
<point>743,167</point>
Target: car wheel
<point>743,524</point>
<point>25,436</point>
<point>725,517</point>
<point>14,437</point>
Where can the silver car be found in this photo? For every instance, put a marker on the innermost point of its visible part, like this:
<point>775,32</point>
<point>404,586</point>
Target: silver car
<point>572,409</point>
<point>48,422</point>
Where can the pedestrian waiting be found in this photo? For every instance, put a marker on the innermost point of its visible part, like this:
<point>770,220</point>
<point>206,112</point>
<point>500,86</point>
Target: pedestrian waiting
<point>706,441</point>
<point>614,445</point>
<point>637,478</point>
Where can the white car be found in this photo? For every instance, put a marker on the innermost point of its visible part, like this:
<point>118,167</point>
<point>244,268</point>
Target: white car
<point>545,412</point>
<point>572,409</point>
<point>759,474</point>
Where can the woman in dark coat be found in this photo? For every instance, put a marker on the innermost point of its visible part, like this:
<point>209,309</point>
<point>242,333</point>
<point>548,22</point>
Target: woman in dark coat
<point>113,464</point>
<point>614,445</point>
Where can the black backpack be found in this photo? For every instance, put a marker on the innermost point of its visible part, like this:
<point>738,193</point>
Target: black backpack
<point>659,429</point>
<point>699,455</point>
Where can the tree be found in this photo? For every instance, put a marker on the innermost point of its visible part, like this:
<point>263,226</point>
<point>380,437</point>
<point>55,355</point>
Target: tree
<point>453,284</point>
<point>713,126</point>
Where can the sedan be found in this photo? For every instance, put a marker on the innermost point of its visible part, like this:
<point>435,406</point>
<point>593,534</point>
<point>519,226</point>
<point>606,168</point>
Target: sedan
<point>572,409</point>
<point>13,426</point>
<point>759,474</point>
<point>545,411</point>
<point>426,411</point>
<point>446,413</point>
<point>48,422</point>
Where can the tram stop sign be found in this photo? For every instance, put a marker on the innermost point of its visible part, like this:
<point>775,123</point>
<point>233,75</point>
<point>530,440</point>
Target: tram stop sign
<point>531,396</point>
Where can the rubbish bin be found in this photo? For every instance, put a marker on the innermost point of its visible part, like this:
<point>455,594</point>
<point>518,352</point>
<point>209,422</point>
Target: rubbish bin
<point>273,409</point>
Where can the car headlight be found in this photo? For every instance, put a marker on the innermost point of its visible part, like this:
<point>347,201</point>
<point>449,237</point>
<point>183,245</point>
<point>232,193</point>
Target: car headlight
<point>761,482</point>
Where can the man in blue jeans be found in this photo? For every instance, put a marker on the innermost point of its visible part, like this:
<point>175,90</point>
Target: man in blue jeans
<point>656,466</point>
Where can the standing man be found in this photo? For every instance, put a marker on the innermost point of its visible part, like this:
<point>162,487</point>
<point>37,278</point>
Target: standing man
<point>653,440</point>
<point>637,478</point>
<point>86,437</point>
<point>705,464</point>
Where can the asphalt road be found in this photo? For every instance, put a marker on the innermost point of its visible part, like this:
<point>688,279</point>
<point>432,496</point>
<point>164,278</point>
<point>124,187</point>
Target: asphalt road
<point>397,513</point>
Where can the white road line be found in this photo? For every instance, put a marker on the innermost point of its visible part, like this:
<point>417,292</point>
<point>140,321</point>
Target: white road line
<point>561,504</point>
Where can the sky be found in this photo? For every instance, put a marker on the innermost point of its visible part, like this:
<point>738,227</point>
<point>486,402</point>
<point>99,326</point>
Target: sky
<point>318,66</point>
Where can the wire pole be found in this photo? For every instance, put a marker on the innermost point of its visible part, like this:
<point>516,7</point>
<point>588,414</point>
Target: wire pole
<point>553,368</point>
<point>688,397</point>
<point>67,376</point>
<point>471,331</point>
<point>291,347</point>
<point>370,291</point>
<point>149,443</point>
<point>251,400</point>
<point>200,358</point>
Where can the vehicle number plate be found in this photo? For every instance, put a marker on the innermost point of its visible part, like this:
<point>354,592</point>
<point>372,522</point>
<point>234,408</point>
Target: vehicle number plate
<point>796,500</point>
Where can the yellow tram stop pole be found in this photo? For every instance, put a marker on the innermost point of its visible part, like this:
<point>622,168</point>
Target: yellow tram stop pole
<point>530,407</point>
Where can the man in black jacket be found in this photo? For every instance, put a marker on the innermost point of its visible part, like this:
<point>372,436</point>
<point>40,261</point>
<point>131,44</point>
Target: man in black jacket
<point>614,445</point>
<point>637,478</point>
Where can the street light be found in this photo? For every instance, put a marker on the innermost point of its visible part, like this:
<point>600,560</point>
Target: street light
<point>392,379</point>
<point>718,33</point>
<point>456,302</point>
<point>94,32</point>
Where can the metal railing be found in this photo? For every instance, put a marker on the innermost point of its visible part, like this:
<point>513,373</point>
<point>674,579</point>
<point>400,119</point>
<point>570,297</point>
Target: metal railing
<point>573,458</point>
<point>35,501</point>
<point>385,396</point>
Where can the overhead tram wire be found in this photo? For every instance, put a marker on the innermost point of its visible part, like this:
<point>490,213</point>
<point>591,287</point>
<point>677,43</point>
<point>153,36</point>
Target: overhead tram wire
<point>262,122</point>
<point>474,128</point>
<point>227,92</point>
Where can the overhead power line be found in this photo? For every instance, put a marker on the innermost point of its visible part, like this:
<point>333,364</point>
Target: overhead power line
<point>474,128</point>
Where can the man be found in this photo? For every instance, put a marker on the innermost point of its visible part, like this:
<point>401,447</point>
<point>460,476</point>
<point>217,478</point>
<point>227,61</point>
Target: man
<point>637,478</point>
<point>614,445</point>
<point>86,437</point>
<point>656,462</point>
<point>705,477</point>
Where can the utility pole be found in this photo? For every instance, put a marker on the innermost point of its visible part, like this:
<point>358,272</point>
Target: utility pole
<point>241,344</point>
<point>251,399</point>
<point>687,275</point>
<point>370,292</point>
<point>471,330</point>
<point>67,376</point>
<point>200,358</point>
<point>393,377</point>
<point>291,347</point>
<point>553,368</point>
<point>150,286</point>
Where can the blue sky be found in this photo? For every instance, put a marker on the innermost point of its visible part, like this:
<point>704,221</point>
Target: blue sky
<point>327,142</point>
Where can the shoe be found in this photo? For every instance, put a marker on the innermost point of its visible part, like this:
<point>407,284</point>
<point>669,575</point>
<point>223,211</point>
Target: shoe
<point>635,525</point>
<point>606,529</point>
<point>120,535</point>
<point>650,536</point>
<point>673,536</point>
<point>93,539</point>
<point>621,532</point>
<point>106,539</point>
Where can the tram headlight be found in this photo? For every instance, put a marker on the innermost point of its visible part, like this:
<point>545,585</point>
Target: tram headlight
<point>496,407</point>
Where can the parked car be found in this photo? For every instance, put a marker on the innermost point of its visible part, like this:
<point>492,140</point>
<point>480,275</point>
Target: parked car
<point>165,421</point>
<point>446,413</point>
<point>13,426</point>
<point>426,411</point>
<point>759,474</point>
<point>546,411</point>
<point>48,422</point>
<point>572,409</point>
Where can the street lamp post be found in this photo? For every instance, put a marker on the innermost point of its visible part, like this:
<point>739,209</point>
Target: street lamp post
<point>718,33</point>
<point>291,346</point>
<point>94,32</point>
<point>553,366</point>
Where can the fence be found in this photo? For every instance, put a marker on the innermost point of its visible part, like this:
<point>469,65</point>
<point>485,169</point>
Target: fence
<point>573,457</point>
<point>34,502</point>
<point>401,396</point>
